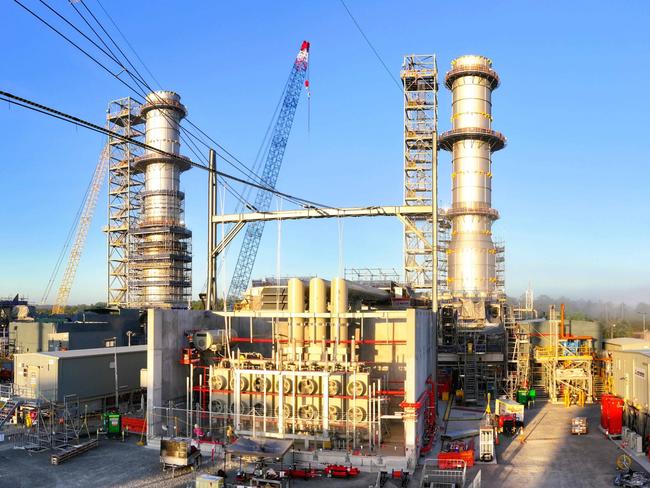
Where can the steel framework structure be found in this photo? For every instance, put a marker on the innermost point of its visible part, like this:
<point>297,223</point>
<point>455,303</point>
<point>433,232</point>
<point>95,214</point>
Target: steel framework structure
<point>124,189</point>
<point>420,82</point>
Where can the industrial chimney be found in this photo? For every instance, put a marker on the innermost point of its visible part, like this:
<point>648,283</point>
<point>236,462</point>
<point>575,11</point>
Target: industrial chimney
<point>472,254</point>
<point>163,257</point>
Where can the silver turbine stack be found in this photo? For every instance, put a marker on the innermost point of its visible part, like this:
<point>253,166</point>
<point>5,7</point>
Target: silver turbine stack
<point>472,254</point>
<point>163,257</point>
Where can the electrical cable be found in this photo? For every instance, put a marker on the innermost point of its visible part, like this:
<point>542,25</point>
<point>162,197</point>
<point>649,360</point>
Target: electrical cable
<point>246,171</point>
<point>116,76</point>
<point>128,43</point>
<point>399,85</point>
<point>113,57</point>
<point>36,107</point>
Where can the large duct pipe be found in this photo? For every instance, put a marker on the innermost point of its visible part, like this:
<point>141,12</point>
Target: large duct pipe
<point>296,303</point>
<point>472,258</point>
<point>339,305</point>
<point>317,304</point>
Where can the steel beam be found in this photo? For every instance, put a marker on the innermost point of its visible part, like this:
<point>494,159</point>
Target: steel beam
<point>325,213</point>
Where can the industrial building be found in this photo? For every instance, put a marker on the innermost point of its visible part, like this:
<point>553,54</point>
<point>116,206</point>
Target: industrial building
<point>85,330</point>
<point>87,374</point>
<point>337,377</point>
<point>342,365</point>
<point>629,359</point>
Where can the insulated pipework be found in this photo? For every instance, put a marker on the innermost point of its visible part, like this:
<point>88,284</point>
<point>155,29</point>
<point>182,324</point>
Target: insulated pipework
<point>296,302</point>
<point>472,254</point>
<point>339,305</point>
<point>317,326</point>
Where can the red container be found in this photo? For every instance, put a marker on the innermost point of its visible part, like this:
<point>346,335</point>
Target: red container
<point>604,405</point>
<point>611,414</point>
<point>449,460</point>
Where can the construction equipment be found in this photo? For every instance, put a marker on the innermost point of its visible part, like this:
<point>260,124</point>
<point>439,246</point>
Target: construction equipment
<point>279,139</point>
<point>81,232</point>
<point>179,453</point>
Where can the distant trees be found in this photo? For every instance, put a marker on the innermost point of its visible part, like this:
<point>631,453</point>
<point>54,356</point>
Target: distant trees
<point>622,318</point>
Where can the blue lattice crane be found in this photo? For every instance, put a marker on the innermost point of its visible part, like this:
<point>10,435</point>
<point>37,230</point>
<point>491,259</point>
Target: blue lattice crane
<point>280,137</point>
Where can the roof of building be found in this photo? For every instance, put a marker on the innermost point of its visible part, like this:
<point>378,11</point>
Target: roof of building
<point>628,343</point>
<point>98,351</point>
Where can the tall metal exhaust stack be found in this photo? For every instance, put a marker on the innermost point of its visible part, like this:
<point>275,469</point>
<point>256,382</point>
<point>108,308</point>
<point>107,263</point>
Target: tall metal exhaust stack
<point>472,254</point>
<point>164,255</point>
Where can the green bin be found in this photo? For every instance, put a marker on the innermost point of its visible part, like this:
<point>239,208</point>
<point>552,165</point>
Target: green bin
<point>532,395</point>
<point>522,397</point>
<point>113,424</point>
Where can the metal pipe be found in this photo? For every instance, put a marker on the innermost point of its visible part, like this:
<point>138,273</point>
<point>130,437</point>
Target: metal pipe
<point>296,304</point>
<point>318,305</point>
<point>211,292</point>
<point>338,305</point>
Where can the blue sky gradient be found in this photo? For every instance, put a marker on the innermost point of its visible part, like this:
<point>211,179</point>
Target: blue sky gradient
<point>571,186</point>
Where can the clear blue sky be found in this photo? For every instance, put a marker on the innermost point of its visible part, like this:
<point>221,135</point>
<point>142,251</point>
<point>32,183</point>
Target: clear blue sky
<point>571,186</point>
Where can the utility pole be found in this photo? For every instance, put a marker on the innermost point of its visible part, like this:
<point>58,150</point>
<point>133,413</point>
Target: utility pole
<point>643,314</point>
<point>117,404</point>
<point>211,292</point>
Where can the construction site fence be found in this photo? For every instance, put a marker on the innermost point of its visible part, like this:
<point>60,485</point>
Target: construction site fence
<point>449,473</point>
<point>176,421</point>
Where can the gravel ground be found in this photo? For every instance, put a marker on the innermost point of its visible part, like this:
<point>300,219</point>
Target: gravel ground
<point>117,464</point>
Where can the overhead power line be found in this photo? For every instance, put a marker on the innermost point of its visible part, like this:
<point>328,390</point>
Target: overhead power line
<point>390,73</point>
<point>57,114</point>
<point>139,81</point>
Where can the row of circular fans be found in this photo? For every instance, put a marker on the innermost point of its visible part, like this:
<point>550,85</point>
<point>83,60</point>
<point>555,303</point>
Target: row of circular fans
<point>304,386</point>
<point>305,412</point>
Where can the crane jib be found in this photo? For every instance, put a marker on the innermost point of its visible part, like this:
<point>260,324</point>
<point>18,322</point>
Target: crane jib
<point>273,162</point>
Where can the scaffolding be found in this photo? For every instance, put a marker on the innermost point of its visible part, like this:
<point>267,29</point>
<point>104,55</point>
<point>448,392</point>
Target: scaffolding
<point>444,238</point>
<point>518,370</point>
<point>420,81</point>
<point>567,365</point>
<point>124,189</point>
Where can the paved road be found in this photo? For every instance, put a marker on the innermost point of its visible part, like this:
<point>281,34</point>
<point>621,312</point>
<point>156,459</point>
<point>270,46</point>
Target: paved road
<point>552,457</point>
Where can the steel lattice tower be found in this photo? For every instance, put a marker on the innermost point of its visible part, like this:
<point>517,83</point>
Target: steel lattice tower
<point>124,188</point>
<point>420,81</point>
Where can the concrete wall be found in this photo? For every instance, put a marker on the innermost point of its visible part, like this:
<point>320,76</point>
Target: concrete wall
<point>166,377</point>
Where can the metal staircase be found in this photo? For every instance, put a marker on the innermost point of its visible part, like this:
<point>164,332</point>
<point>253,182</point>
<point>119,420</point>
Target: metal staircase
<point>471,381</point>
<point>469,367</point>
<point>8,409</point>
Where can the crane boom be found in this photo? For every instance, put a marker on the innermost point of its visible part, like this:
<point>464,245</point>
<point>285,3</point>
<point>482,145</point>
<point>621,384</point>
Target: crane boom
<point>81,232</point>
<point>279,139</point>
